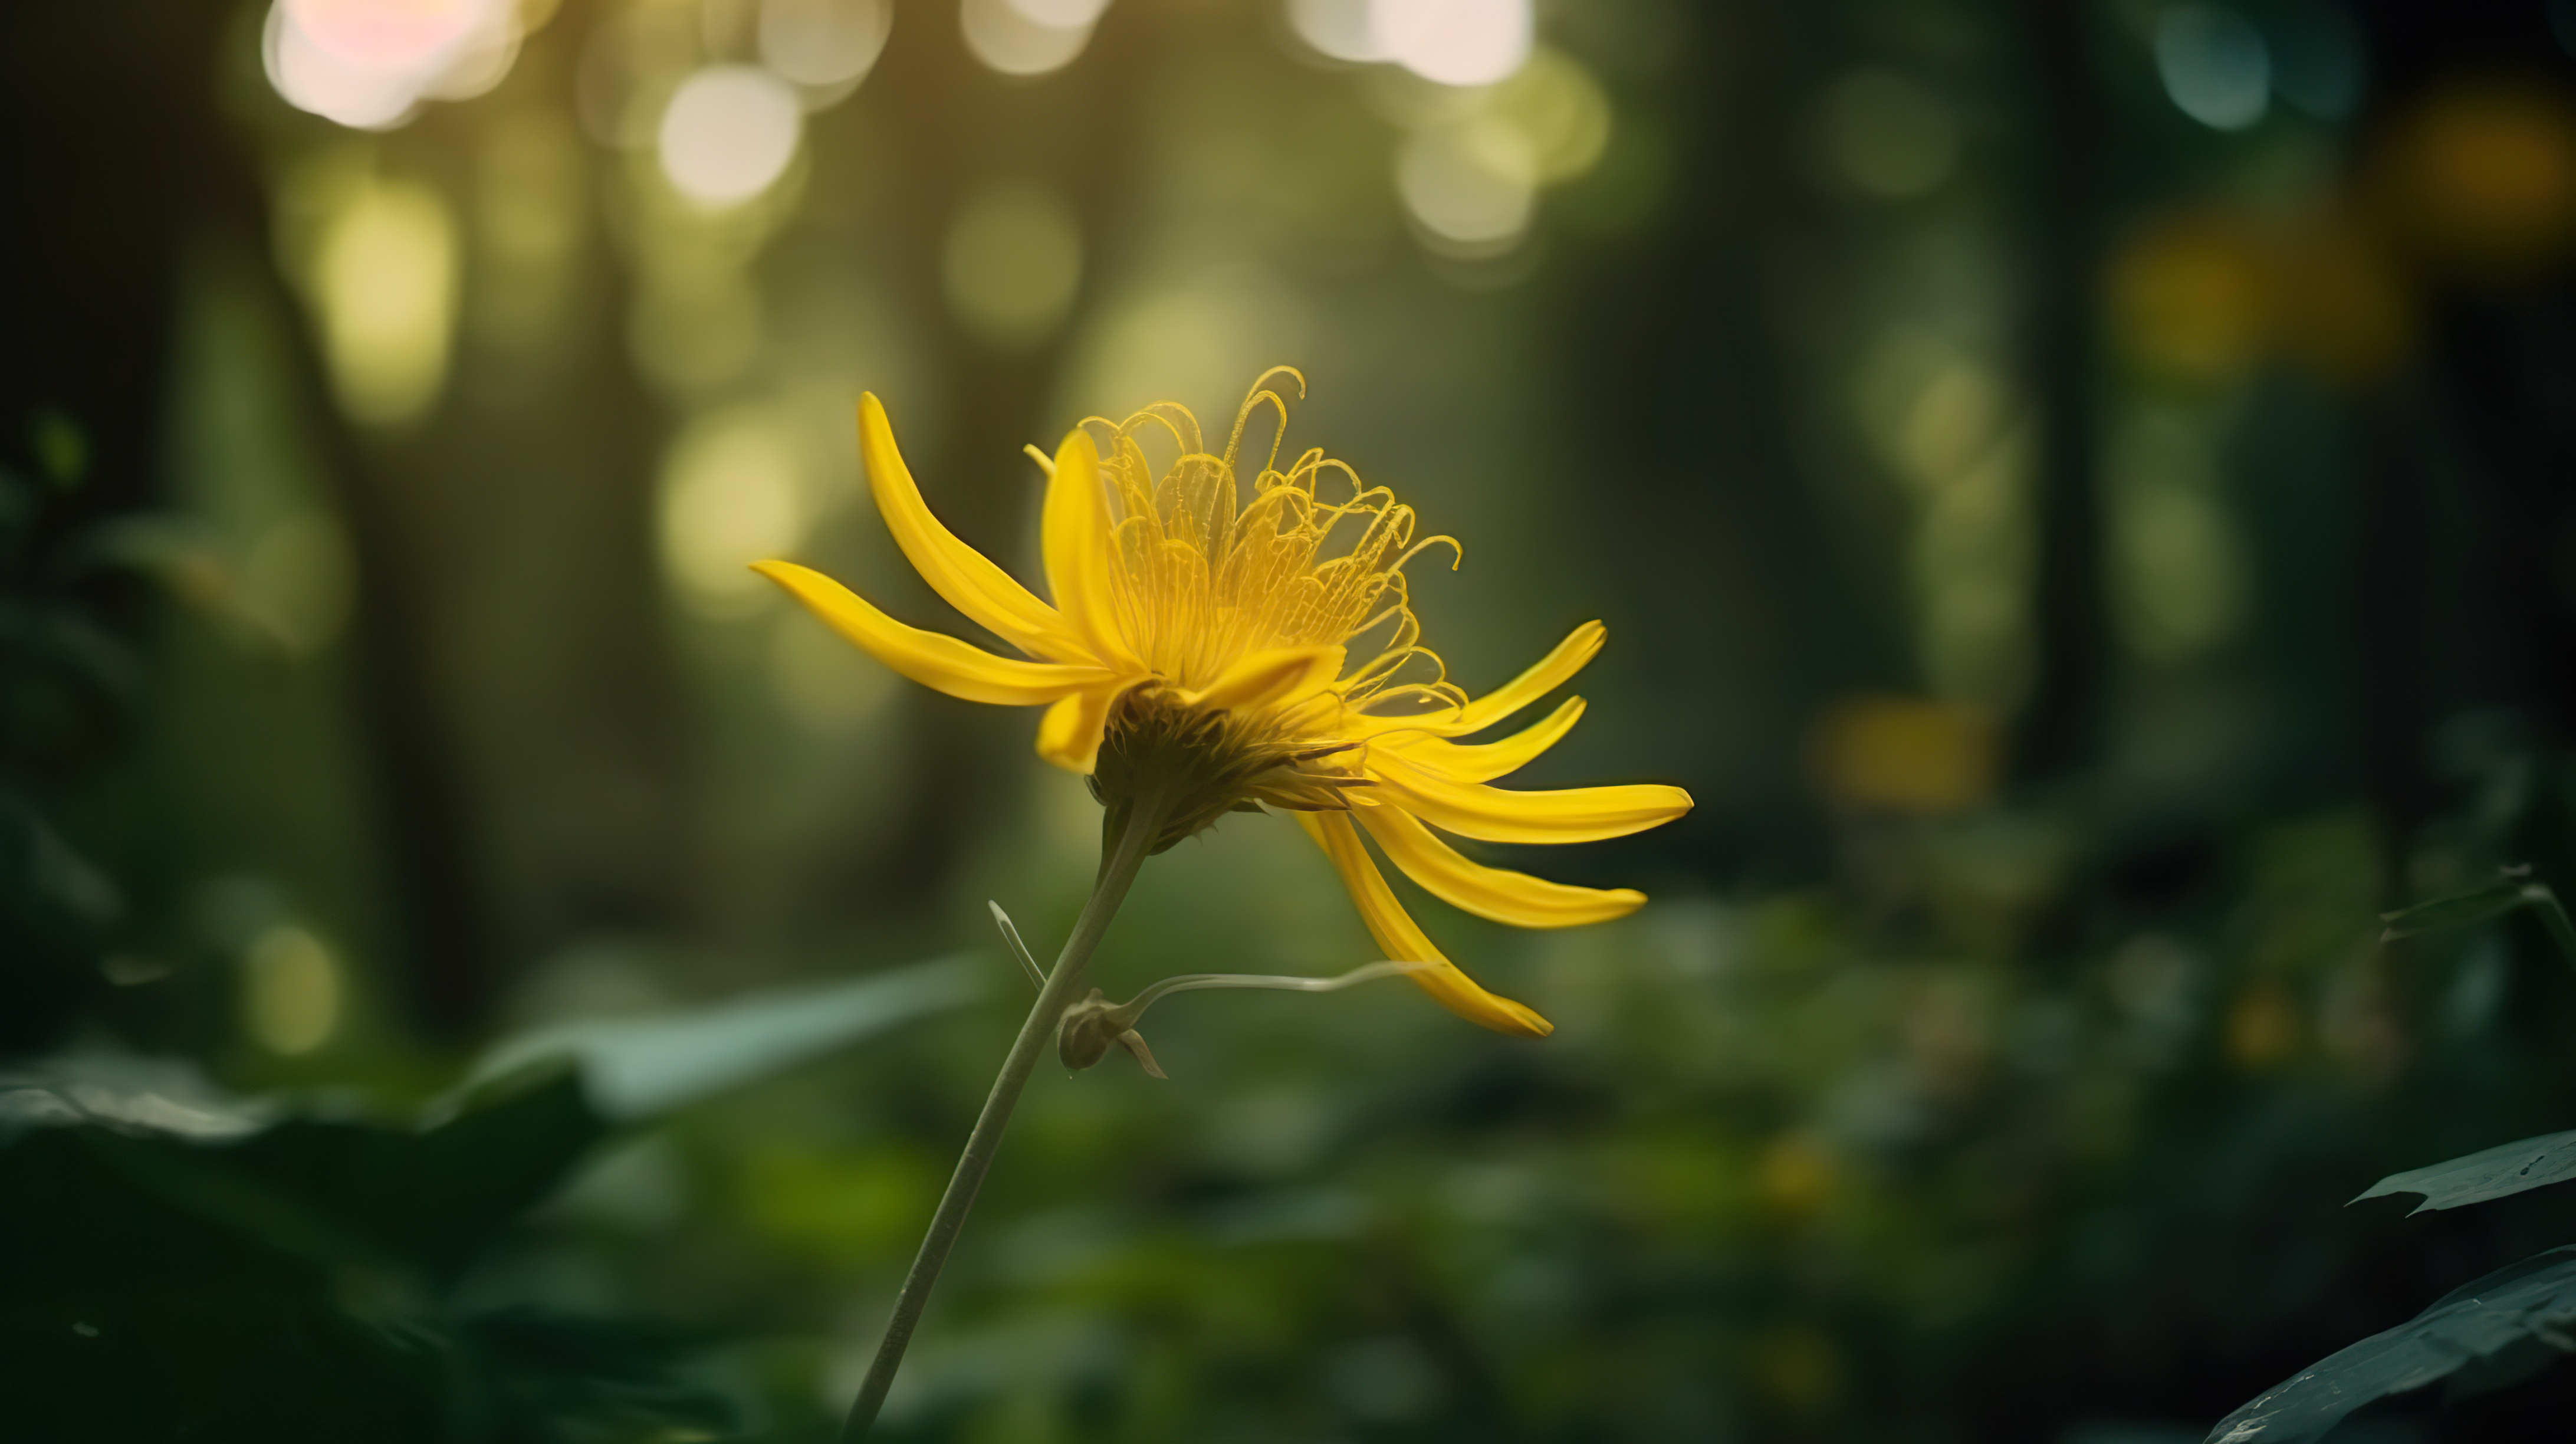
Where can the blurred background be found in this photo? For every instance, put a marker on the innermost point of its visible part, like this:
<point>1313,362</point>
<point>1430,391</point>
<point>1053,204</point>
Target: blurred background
<point>2082,491</point>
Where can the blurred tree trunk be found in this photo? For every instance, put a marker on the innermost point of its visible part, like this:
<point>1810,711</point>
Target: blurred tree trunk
<point>1675,349</point>
<point>2060,730</point>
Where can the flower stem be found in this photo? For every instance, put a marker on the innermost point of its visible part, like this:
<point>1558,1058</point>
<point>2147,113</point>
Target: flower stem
<point>1127,836</point>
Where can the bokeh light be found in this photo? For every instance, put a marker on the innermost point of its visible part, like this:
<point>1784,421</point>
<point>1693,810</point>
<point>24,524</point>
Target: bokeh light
<point>2178,565</point>
<point>2214,64</point>
<point>368,64</point>
<point>1560,111</point>
<point>1454,42</point>
<point>385,277</point>
<point>1339,29</point>
<point>1024,37</point>
<point>825,44</point>
<point>2192,297</point>
<point>1472,185</point>
<point>728,134</point>
<point>291,991</point>
<point>2483,176</point>
<point>734,491</point>
<point>1904,754</point>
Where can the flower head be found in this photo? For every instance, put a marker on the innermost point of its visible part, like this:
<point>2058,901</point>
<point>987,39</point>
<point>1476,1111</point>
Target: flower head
<point>1236,643</point>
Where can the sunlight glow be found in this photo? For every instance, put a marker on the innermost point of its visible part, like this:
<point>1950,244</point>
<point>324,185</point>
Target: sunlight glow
<point>368,64</point>
<point>729,133</point>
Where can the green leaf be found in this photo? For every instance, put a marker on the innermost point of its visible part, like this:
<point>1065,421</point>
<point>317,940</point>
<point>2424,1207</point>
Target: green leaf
<point>2467,909</point>
<point>2505,1169</point>
<point>2484,905</point>
<point>2483,1334</point>
<point>434,1197</point>
<point>635,1068</point>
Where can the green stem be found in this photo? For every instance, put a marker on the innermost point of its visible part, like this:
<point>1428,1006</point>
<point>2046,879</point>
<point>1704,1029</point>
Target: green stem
<point>1128,835</point>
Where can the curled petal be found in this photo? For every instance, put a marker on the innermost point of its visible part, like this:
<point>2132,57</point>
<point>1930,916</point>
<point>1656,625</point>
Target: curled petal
<point>1553,670</point>
<point>1491,814</point>
<point>1483,762</point>
<point>1276,676</point>
<point>1489,892</point>
<point>1069,735</point>
<point>935,661</point>
<point>1081,566</point>
<point>966,577</point>
<point>1402,941</point>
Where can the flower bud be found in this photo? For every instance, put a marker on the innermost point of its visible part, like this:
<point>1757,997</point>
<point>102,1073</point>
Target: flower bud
<point>1089,1027</point>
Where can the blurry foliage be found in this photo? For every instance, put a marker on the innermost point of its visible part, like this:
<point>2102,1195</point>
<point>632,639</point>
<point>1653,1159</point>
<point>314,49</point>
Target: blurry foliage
<point>293,1283</point>
<point>2493,1331</point>
<point>206,1267</point>
<point>1953,1088</point>
<point>68,673</point>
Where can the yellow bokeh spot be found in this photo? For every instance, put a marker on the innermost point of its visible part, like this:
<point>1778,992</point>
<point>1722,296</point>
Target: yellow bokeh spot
<point>1562,112</point>
<point>733,492</point>
<point>2485,177</point>
<point>385,280</point>
<point>2263,1026</point>
<point>1796,1174</point>
<point>2191,298</point>
<point>290,991</point>
<point>1905,754</point>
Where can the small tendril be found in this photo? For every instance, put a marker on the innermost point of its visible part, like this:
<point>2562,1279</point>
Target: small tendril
<point>1091,1026</point>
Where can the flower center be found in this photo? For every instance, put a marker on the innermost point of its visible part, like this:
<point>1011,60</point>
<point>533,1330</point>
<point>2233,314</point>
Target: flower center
<point>1206,764</point>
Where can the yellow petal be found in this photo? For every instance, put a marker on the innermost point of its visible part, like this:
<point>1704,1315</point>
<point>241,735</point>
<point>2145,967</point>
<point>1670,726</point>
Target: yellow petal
<point>1403,941</point>
<point>936,661</point>
<point>1069,735</point>
<point>966,577</point>
<point>1490,814</point>
<point>1483,762</point>
<point>1081,570</point>
<point>1489,892</point>
<point>1553,670</point>
<point>1276,675</point>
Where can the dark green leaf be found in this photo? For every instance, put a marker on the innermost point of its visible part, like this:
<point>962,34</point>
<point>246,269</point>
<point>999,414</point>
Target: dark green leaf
<point>2505,1169</point>
<point>2468,909</point>
<point>638,1067</point>
<point>2483,905</point>
<point>2478,1335</point>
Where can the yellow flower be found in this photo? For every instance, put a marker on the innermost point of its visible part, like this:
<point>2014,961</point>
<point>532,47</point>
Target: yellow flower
<point>1252,651</point>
